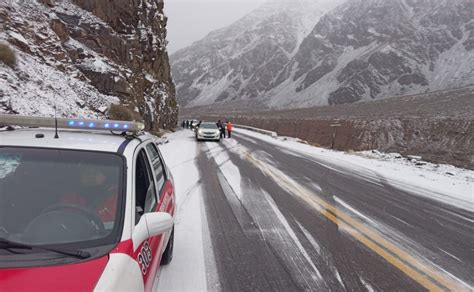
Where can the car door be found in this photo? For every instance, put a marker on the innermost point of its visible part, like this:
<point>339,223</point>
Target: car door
<point>165,200</point>
<point>146,201</point>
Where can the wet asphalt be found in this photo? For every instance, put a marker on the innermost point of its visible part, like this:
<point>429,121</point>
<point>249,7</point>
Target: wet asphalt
<point>301,224</point>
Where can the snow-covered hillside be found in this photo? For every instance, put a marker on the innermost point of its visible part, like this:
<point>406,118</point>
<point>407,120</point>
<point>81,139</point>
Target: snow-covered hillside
<point>357,50</point>
<point>76,55</point>
<point>37,82</point>
<point>373,49</point>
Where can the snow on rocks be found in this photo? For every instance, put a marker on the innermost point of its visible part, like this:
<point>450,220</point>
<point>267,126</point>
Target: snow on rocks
<point>75,56</point>
<point>43,77</point>
<point>18,37</point>
<point>34,88</point>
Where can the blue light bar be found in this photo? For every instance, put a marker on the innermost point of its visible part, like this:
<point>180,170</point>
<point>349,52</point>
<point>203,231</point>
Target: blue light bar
<point>108,125</point>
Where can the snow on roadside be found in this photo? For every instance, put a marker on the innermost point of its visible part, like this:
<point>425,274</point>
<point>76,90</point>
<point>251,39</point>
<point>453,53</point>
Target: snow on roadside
<point>445,183</point>
<point>187,271</point>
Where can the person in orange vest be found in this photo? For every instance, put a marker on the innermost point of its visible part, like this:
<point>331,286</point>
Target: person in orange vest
<point>229,128</point>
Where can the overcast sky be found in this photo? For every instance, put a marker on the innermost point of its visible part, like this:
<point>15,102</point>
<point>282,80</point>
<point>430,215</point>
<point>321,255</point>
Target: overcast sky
<point>191,20</point>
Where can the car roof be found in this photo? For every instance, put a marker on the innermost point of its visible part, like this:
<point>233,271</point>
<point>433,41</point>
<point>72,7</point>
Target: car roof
<point>68,139</point>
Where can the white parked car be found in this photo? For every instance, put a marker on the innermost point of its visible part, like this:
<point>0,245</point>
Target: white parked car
<point>208,131</point>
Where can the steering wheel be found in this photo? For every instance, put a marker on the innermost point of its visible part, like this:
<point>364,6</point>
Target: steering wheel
<point>63,223</point>
<point>82,210</point>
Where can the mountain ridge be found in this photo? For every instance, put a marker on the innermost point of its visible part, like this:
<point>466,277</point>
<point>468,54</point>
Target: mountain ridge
<point>356,50</point>
<point>226,54</point>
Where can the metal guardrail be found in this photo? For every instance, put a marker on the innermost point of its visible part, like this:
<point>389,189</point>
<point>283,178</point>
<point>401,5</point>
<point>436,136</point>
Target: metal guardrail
<point>261,131</point>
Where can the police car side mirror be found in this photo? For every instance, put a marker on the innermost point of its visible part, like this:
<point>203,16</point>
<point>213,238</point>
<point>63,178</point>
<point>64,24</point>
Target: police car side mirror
<point>158,222</point>
<point>151,224</point>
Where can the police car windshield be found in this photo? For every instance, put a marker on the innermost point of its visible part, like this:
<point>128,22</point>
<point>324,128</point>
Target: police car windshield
<point>60,197</point>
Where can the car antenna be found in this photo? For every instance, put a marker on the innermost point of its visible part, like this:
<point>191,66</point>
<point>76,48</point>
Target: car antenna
<point>56,136</point>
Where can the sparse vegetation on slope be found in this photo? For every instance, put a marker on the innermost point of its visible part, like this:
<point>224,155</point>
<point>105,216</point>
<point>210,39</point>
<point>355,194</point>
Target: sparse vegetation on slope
<point>7,55</point>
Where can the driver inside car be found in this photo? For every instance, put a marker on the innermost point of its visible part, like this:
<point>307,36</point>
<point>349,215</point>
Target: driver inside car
<point>94,193</point>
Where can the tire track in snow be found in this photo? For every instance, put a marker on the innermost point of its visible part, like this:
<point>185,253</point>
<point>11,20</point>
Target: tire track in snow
<point>271,224</point>
<point>239,247</point>
<point>421,225</point>
<point>324,254</point>
<point>418,268</point>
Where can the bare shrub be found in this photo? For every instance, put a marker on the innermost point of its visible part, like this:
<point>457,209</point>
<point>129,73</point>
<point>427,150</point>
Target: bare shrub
<point>7,55</point>
<point>122,113</point>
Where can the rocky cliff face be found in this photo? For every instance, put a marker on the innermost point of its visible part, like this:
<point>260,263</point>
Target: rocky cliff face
<point>84,55</point>
<point>360,50</point>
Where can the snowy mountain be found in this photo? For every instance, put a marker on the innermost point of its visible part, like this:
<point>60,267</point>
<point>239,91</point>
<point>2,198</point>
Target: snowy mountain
<point>359,50</point>
<point>245,59</point>
<point>83,56</point>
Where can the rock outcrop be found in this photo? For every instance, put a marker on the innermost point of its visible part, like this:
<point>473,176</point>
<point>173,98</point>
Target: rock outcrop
<point>84,55</point>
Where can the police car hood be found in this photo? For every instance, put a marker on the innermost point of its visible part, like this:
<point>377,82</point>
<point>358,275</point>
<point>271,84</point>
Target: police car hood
<point>81,276</point>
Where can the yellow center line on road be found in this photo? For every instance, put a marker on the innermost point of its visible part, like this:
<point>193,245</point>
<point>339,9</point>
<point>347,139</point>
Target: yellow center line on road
<point>418,269</point>
<point>379,239</point>
<point>412,273</point>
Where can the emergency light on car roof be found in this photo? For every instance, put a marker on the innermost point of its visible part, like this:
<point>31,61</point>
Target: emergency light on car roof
<point>44,122</point>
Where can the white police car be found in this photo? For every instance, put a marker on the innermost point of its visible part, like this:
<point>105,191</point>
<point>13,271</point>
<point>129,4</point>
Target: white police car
<point>84,205</point>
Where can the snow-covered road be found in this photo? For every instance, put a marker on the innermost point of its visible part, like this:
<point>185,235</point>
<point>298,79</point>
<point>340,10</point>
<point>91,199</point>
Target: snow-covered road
<point>259,213</point>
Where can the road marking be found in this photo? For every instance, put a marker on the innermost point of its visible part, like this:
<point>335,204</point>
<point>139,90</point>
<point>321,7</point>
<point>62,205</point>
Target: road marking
<point>412,273</point>
<point>419,270</point>
<point>402,254</point>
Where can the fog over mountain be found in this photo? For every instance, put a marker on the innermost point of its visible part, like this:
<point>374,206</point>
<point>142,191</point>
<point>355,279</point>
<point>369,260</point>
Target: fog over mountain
<point>307,53</point>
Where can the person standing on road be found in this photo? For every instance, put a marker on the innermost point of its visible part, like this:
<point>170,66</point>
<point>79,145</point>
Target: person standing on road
<point>229,128</point>
<point>183,124</point>
<point>221,129</point>
<point>187,124</point>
